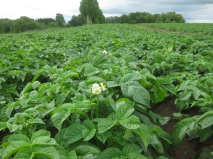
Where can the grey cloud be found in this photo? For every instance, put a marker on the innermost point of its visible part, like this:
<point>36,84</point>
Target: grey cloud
<point>192,10</point>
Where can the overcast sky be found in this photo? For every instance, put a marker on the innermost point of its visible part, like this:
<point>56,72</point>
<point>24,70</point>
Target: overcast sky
<point>192,10</point>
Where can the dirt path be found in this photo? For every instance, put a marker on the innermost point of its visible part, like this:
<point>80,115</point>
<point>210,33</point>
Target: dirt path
<point>160,29</point>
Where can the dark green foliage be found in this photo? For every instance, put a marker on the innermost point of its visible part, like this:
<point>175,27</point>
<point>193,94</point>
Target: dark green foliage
<point>60,20</point>
<point>145,17</point>
<point>91,12</point>
<point>49,108</point>
<point>76,20</point>
<point>46,21</point>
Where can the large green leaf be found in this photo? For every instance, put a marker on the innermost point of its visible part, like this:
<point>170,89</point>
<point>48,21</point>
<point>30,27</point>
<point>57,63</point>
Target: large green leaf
<point>111,84</point>
<point>74,133</point>
<point>90,70</point>
<point>123,101</point>
<point>143,132</point>
<point>111,153</point>
<point>106,124</point>
<point>14,147</point>
<point>206,119</point>
<point>130,77</point>
<point>88,134</point>
<point>60,116</point>
<point>131,151</point>
<point>137,92</point>
<point>103,136</point>
<point>131,123</point>
<point>25,153</point>
<point>80,106</point>
<point>89,130</point>
<point>3,125</point>
<point>42,137</point>
<point>84,150</point>
<point>180,130</point>
<point>124,111</point>
<point>18,137</point>
<point>48,151</point>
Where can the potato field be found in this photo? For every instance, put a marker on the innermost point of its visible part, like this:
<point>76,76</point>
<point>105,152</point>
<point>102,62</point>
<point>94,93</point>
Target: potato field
<point>107,91</point>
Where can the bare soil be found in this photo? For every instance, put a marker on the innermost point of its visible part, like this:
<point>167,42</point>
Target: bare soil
<point>189,148</point>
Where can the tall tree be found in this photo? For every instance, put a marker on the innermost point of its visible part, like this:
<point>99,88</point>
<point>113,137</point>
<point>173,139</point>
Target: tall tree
<point>91,12</point>
<point>60,19</point>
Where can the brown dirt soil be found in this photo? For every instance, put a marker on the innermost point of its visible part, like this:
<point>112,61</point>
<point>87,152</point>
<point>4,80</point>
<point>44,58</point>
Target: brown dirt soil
<point>189,148</point>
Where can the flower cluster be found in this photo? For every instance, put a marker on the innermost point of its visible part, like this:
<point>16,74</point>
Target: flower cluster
<point>98,88</point>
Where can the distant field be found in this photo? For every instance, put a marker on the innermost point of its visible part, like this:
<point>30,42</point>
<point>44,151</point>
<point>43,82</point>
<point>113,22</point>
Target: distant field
<point>199,28</point>
<point>107,91</point>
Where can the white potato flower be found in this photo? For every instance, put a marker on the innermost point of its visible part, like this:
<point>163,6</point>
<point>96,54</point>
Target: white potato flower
<point>104,52</point>
<point>96,89</point>
<point>103,86</point>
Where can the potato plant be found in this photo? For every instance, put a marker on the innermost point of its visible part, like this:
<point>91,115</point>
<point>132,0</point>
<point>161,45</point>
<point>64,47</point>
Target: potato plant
<point>89,92</point>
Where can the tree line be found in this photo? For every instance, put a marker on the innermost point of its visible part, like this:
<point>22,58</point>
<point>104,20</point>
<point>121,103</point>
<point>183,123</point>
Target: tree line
<point>25,23</point>
<point>145,17</point>
<point>90,13</point>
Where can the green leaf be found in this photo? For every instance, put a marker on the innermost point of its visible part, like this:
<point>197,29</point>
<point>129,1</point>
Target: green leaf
<point>127,90</point>
<point>180,130</point>
<point>19,137</point>
<point>137,92</point>
<point>72,155</point>
<point>61,98</point>
<point>170,87</point>
<point>124,111</point>
<point>143,132</point>
<point>131,123</point>
<point>13,147</point>
<point>39,73</point>
<point>59,117</point>
<point>205,133</point>
<point>105,124</point>
<point>35,84</point>
<point>185,86</point>
<point>111,84</point>
<point>80,106</point>
<point>185,95</point>
<point>159,95</point>
<point>94,79</point>
<point>162,134</point>
<point>123,101</point>
<point>89,130</point>
<point>42,137</point>
<point>131,150</point>
<point>141,95</point>
<point>130,77</point>
<point>25,153</point>
<point>103,136</point>
<point>3,125</point>
<point>26,89</point>
<point>74,133</point>
<point>88,134</point>
<point>90,70</point>
<point>84,150</point>
<point>111,153</point>
<point>206,119</point>
<point>48,151</point>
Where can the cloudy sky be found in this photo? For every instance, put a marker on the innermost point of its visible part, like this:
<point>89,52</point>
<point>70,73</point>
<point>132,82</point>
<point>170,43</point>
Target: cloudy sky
<point>192,10</point>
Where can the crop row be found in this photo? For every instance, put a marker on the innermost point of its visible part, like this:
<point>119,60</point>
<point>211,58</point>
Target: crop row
<point>89,92</point>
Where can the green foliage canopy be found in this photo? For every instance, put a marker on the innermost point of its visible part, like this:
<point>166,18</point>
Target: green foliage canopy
<point>91,11</point>
<point>60,19</point>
